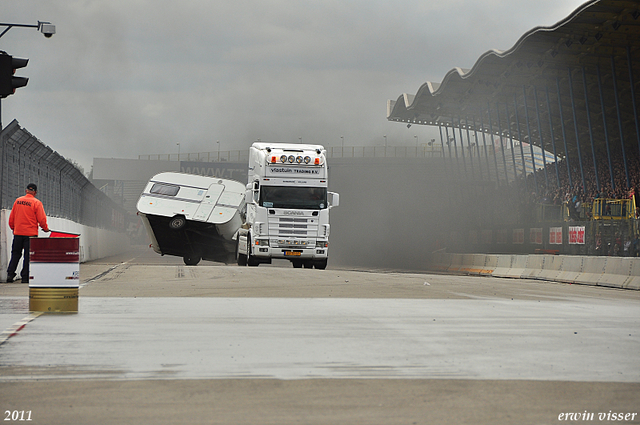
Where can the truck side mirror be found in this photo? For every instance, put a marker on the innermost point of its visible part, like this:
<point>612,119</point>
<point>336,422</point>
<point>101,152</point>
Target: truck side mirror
<point>334,199</point>
<point>253,192</point>
<point>248,196</point>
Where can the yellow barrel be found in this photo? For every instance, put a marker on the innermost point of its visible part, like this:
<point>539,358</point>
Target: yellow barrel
<point>53,300</point>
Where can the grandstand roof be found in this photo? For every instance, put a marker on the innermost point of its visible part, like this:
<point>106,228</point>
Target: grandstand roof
<point>596,47</point>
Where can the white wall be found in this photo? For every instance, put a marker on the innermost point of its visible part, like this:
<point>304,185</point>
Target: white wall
<point>94,243</point>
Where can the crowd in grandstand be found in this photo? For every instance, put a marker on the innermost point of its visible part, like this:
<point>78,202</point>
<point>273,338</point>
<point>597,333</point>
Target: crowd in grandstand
<point>550,192</point>
<point>552,198</point>
<point>543,199</point>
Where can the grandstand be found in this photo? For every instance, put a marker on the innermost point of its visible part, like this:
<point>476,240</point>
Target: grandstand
<point>570,89</point>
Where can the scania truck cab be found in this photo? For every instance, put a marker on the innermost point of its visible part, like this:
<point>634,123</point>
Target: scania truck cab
<point>287,206</point>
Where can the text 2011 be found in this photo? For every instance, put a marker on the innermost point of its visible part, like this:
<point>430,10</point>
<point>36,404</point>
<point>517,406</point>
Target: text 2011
<point>17,415</point>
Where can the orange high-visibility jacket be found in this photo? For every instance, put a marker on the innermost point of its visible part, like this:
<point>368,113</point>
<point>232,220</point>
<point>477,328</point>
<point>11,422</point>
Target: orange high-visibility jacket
<point>26,214</point>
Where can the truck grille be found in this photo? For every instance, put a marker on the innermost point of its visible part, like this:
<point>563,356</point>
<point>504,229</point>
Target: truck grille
<point>292,220</point>
<point>292,226</point>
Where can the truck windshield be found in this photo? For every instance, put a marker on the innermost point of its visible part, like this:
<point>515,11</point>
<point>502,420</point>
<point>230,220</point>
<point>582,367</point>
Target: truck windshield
<point>306,198</point>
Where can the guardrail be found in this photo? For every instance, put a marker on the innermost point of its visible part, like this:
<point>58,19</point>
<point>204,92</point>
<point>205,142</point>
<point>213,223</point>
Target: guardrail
<point>613,209</point>
<point>599,209</point>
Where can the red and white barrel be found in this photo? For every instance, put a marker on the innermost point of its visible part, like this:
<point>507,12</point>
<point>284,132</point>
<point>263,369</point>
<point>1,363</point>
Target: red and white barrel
<point>54,274</point>
<point>55,262</point>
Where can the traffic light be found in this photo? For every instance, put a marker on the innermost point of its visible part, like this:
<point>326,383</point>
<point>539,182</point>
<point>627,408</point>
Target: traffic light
<point>8,82</point>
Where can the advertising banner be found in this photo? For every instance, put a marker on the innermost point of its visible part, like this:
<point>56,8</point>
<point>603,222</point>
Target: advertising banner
<point>576,235</point>
<point>555,235</point>
<point>535,235</point>
<point>518,236</point>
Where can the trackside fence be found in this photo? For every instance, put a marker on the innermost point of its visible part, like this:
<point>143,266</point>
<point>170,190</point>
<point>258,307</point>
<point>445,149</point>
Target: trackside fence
<point>72,203</point>
<point>62,188</point>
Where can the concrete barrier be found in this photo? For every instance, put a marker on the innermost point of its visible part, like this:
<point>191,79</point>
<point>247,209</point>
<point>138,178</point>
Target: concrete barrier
<point>551,267</point>
<point>571,268</point>
<point>533,266</point>
<point>456,263</point>
<point>503,265</point>
<point>617,271</point>
<point>592,271</point>
<point>440,261</point>
<point>518,264</point>
<point>633,282</point>
<point>477,266</point>
<point>490,264</point>
<point>466,265</point>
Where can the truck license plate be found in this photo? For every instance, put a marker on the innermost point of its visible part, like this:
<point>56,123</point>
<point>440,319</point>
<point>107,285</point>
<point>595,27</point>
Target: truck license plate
<point>286,253</point>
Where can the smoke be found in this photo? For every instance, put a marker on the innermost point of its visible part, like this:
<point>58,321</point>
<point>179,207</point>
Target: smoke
<point>392,212</point>
<point>128,78</point>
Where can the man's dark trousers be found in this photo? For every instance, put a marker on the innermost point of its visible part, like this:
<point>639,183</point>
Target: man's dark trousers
<point>20,244</point>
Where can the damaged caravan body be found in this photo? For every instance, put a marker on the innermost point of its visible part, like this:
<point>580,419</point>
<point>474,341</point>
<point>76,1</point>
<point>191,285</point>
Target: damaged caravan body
<point>193,217</point>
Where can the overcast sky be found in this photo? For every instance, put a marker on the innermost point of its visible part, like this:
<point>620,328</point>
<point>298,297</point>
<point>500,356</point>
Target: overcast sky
<point>122,78</point>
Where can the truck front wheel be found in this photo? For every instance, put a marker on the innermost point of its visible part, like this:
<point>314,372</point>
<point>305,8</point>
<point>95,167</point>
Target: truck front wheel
<point>320,264</point>
<point>241,259</point>
<point>251,260</point>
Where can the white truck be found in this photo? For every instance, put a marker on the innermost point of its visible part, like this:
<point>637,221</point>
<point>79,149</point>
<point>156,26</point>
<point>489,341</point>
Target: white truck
<point>193,217</point>
<point>287,206</point>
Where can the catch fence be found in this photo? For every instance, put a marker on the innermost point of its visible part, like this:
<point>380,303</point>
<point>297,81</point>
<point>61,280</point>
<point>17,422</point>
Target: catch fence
<point>64,191</point>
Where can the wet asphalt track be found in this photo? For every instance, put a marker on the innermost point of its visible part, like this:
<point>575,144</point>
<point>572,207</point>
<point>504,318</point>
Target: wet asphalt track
<point>151,319</point>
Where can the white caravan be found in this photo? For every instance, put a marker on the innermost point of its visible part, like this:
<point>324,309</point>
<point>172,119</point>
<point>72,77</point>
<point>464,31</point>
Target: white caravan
<point>193,217</point>
<point>287,206</point>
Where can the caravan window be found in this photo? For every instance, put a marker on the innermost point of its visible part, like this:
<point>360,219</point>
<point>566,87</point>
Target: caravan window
<point>165,189</point>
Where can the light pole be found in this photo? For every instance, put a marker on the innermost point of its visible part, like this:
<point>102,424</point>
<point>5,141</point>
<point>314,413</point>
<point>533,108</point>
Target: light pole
<point>178,151</point>
<point>45,28</point>
<point>385,145</point>
<point>218,142</point>
<point>342,137</point>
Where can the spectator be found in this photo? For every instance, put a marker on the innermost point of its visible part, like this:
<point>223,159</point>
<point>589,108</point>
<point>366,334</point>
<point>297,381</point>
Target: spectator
<point>635,246</point>
<point>627,247</point>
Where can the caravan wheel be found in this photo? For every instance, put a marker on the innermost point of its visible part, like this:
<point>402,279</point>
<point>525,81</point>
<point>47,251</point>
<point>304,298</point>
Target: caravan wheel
<point>177,222</point>
<point>191,260</point>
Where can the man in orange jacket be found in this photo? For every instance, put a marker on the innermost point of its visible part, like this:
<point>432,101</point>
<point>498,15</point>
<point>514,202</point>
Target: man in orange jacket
<point>27,213</point>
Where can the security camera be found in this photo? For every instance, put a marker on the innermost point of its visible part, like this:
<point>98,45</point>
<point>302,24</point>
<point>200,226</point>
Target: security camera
<point>47,29</point>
